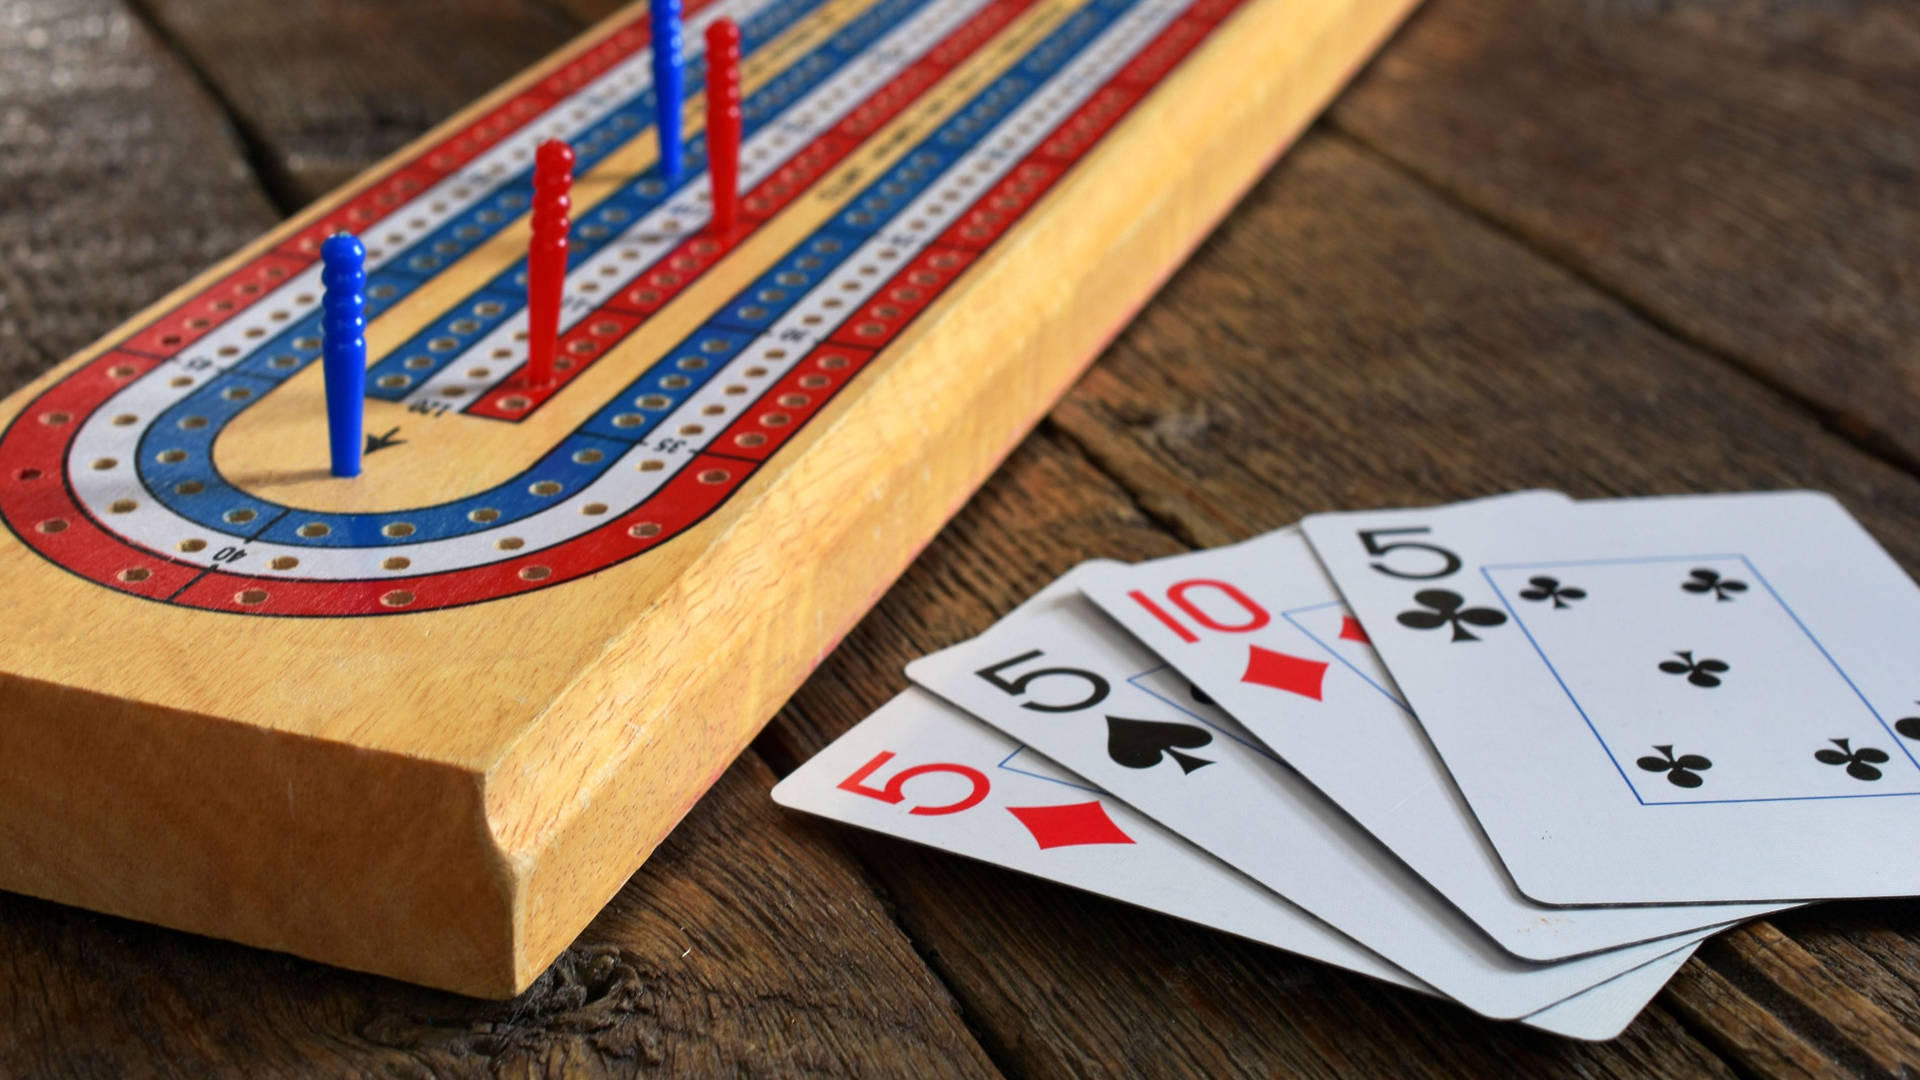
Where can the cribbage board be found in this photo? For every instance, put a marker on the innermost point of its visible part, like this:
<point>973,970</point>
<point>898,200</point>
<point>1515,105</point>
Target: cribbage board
<point>426,721</point>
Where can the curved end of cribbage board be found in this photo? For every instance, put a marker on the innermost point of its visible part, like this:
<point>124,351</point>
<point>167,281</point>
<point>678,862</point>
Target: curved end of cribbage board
<point>425,722</point>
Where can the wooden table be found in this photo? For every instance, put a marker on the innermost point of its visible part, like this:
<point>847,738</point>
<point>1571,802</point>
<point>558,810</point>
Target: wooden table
<point>1611,247</point>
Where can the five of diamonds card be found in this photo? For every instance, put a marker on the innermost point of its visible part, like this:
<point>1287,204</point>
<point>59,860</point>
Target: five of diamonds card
<point>1523,752</point>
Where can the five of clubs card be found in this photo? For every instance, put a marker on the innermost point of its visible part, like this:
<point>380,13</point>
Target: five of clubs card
<point>1522,752</point>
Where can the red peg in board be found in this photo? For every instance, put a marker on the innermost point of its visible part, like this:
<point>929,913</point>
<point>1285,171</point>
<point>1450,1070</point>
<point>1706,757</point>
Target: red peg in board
<point>547,256</point>
<point>723,121</point>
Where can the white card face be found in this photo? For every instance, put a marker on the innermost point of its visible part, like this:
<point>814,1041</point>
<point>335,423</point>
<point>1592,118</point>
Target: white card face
<point>1035,817</point>
<point>1261,630</point>
<point>1062,678</point>
<point>1673,700</point>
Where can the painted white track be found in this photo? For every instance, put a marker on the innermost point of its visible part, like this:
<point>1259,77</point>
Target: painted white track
<point>648,240</point>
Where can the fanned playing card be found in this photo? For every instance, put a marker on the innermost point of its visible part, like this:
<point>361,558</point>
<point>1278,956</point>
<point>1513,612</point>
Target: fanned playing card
<point>921,770</point>
<point>1668,700</point>
<point>1063,678</point>
<point>1261,630</point>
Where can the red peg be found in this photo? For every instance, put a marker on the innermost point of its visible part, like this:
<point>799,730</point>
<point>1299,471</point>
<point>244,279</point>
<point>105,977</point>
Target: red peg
<point>547,256</point>
<point>723,121</point>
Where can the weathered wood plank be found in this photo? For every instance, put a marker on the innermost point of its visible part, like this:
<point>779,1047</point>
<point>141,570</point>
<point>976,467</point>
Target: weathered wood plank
<point>589,11</point>
<point>1358,342</point>
<point>1741,1027</point>
<point>1058,983</point>
<point>324,90</point>
<point>1760,955</point>
<point>746,947</point>
<point>1744,172</point>
<point>1862,946</point>
<point>121,179</point>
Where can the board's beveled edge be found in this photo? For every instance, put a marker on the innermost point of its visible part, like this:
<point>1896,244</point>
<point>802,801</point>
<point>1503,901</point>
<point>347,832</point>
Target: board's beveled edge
<point>366,859</point>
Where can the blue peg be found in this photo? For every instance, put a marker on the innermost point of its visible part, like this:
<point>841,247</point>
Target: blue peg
<point>343,357</point>
<point>669,83</point>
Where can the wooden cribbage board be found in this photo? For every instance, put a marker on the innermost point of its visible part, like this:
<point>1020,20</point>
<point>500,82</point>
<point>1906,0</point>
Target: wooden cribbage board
<point>426,721</point>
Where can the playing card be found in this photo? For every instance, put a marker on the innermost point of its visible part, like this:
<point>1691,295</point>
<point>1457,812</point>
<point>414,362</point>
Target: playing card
<point>921,770</point>
<point>1261,630</point>
<point>1672,700</point>
<point>1063,678</point>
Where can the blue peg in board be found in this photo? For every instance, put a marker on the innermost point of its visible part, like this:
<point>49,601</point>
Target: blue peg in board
<point>343,351</point>
<point>669,84</point>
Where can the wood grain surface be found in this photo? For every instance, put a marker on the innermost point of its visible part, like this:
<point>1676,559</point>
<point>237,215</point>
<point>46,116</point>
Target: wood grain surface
<point>1743,174</point>
<point>121,178</point>
<point>1610,247</point>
